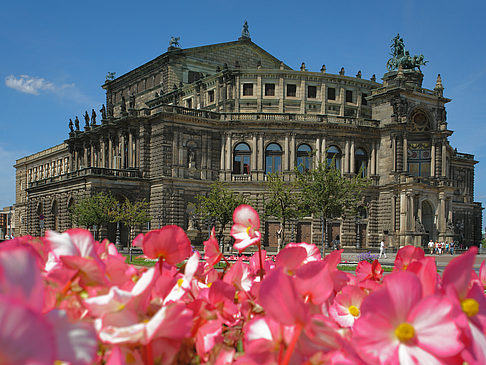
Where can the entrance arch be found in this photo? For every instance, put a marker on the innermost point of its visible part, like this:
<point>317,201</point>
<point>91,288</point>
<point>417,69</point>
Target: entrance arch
<point>428,219</point>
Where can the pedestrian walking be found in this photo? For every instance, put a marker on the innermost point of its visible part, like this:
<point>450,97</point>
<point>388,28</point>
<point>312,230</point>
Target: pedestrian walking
<point>382,249</point>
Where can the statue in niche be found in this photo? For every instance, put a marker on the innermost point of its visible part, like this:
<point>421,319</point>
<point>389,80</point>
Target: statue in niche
<point>93,117</point>
<point>86,118</point>
<point>76,123</point>
<point>419,227</point>
<point>132,101</point>
<point>103,112</point>
<point>71,125</point>
<point>123,105</point>
<point>191,159</point>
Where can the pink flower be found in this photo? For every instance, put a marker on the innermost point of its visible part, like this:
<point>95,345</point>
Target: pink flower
<point>345,309</point>
<point>397,325</point>
<point>212,254</point>
<point>169,242</point>
<point>406,255</point>
<point>245,229</point>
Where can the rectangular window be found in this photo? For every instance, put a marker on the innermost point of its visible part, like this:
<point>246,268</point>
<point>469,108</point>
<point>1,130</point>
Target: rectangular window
<point>312,92</point>
<point>291,90</point>
<point>349,96</point>
<point>363,99</point>
<point>247,89</point>
<point>269,89</point>
<point>211,96</point>
<point>331,93</point>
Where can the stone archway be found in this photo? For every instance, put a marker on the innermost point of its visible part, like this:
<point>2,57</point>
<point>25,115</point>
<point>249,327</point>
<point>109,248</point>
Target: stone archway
<point>428,219</point>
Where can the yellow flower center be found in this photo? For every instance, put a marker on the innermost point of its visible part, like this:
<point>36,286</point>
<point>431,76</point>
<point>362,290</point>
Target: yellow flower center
<point>405,332</point>
<point>470,307</point>
<point>248,230</point>
<point>354,311</point>
<point>179,282</point>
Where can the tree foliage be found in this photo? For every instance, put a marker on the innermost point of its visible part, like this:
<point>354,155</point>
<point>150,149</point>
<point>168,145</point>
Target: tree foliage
<point>132,214</point>
<point>96,210</point>
<point>218,204</point>
<point>282,200</point>
<point>328,194</point>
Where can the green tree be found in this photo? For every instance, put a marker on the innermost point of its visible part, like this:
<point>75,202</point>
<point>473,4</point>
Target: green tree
<point>282,200</point>
<point>328,194</point>
<point>218,205</point>
<point>132,214</point>
<point>94,211</point>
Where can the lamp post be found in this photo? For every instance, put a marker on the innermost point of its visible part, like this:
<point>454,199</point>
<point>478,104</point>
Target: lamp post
<point>358,233</point>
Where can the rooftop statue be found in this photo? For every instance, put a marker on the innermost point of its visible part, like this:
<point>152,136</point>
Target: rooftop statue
<point>402,57</point>
<point>174,42</point>
<point>245,33</point>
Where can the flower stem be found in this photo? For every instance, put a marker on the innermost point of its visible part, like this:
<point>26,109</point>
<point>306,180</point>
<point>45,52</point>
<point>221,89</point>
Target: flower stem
<point>261,261</point>
<point>148,354</point>
<point>293,342</point>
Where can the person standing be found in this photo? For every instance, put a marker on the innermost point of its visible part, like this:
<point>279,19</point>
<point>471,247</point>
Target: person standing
<point>452,247</point>
<point>431,246</point>
<point>382,249</point>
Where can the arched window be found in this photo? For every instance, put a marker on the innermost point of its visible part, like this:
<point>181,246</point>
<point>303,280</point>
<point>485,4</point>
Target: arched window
<point>333,157</point>
<point>304,157</point>
<point>273,158</point>
<point>55,215</point>
<point>241,159</point>
<point>360,162</point>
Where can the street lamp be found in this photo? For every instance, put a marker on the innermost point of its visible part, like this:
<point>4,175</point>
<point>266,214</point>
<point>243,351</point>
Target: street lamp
<point>358,233</point>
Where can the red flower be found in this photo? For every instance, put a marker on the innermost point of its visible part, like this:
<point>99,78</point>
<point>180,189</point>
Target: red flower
<point>169,242</point>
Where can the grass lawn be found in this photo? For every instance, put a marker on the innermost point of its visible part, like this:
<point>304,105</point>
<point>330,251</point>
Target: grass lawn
<point>222,265</point>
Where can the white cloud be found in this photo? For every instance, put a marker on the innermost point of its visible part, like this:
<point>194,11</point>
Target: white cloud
<point>36,85</point>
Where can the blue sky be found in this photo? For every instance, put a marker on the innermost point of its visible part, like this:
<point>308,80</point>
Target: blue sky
<point>55,55</point>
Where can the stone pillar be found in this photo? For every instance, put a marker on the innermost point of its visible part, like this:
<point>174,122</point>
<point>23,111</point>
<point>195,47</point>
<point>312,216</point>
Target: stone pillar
<point>441,224</point>
<point>403,217</point>
<point>130,149</point>
<point>342,99</point>
<point>394,147</point>
<point>175,154</point>
<point>122,144</point>
<point>444,159</point>
<point>358,102</point>
<point>323,150</point>
<point>318,151</point>
<point>301,95</point>
<point>432,159</point>
<point>292,151</point>
<point>237,94</point>
<point>222,159</point>
<point>204,151</point>
<point>323,99</point>
<point>260,159</point>
<point>259,93</point>
<point>286,154</point>
<point>229,150</point>
<point>254,153</point>
<point>281,91</point>
<point>85,156</point>
<point>110,152</point>
<point>346,157</point>
<point>373,159</point>
<point>405,154</point>
<point>351,155</point>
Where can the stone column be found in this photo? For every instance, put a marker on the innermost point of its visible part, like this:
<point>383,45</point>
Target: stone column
<point>403,217</point>
<point>444,159</point>
<point>229,150</point>
<point>323,150</point>
<point>204,151</point>
<point>130,149</point>
<point>281,91</point>
<point>373,159</point>
<point>342,99</point>
<point>301,95</point>
<point>286,154</point>
<point>358,103</point>
<point>351,155</point>
<point>222,159</point>
<point>254,153</point>
<point>110,152</point>
<point>85,156</point>
<point>292,151</point>
<point>441,224</point>
<point>346,157</point>
<point>259,93</point>
<point>394,147</point>
<point>318,151</point>
<point>175,154</point>
<point>122,143</point>
<point>405,154</point>
<point>237,94</point>
<point>323,99</point>
<point>432,159</point>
